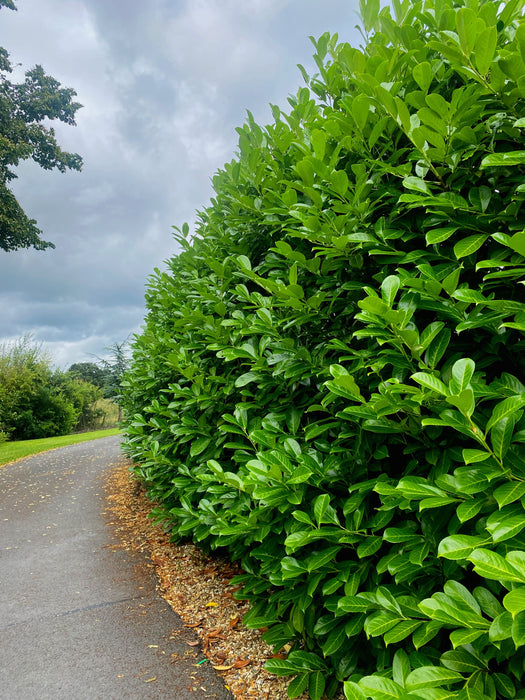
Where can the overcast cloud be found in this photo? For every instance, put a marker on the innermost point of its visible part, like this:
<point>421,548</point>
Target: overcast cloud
<point>164,83</point>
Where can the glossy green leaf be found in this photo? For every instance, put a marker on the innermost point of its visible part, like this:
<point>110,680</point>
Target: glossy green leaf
<point>507,407</point>
<point>514,601</point>
<point>353,691</point>
<point>458,546</point>
<point>297,685</point>
<point>518,629</point>
<point>509,493</point>
<point>316,685</point>
<point>431,677</point>
<point>422,73</point>
<point>430,382</point>
<point>469,245</point>
<point>381,688</point>
<point>493,566</point>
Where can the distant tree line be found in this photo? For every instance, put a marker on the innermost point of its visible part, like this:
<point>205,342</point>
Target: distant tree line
<point>38,401</point>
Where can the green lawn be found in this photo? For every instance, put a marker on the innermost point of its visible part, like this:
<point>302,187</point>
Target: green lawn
<point>9,451</point>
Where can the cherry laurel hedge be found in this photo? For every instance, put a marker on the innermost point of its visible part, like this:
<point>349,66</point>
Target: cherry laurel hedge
<point>330,383</point>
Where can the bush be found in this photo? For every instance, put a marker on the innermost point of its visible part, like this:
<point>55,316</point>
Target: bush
<point>37,401</point>
<point>330,379</point>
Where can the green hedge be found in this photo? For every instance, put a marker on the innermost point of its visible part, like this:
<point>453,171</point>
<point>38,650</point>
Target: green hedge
<point>329,381</point>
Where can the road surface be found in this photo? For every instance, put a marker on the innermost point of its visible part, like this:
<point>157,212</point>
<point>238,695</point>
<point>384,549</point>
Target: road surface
<point>78,618</point>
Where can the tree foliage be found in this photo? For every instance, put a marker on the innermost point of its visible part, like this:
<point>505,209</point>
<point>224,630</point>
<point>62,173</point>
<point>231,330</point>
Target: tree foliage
<point>330,383</point>
<point>90,372</point>
<point>23,109</point>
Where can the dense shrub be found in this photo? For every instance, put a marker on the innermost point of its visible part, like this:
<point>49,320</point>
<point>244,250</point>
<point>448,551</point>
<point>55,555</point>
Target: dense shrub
<point>330,379</point>
<point>37,401</point>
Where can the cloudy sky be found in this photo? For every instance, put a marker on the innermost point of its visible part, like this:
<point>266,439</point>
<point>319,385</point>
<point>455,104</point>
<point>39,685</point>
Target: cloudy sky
<point>164,83</point>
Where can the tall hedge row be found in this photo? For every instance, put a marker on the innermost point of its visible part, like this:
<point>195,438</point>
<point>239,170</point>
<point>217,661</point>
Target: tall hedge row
<point>330,384</point>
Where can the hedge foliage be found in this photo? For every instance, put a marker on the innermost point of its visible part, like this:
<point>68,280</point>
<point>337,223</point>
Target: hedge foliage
<point>330,383</point>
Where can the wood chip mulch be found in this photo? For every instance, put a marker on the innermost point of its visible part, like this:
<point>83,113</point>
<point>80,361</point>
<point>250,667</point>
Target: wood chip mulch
<point>198,589</point>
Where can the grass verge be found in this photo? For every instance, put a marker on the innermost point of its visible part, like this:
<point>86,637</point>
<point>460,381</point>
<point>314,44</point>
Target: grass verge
<point>10,451</point>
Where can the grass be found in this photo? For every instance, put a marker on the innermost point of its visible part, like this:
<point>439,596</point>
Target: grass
<point>10,451</point>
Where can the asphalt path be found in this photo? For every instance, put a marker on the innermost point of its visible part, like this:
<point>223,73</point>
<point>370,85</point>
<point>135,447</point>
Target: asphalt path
<point>80,618</point>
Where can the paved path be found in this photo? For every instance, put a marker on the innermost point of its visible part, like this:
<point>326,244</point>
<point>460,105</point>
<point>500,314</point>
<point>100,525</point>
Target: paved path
<point>79,619</point>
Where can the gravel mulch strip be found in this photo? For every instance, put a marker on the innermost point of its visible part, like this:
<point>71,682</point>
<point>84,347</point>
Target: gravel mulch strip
<point>198,589</point>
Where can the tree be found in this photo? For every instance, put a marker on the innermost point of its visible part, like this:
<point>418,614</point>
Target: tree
<point>23,108</point>
<point>89,372</point>
<point>115,369</point>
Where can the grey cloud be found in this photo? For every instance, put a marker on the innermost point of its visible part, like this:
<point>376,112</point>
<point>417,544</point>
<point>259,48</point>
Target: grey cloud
<point>163,84</point>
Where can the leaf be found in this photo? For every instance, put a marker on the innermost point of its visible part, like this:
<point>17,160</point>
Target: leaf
<point>389,288</point>
<point>430,382</point>
<point>373,305</point>
<point>509,493</point>
<point>507,407</point>
<point>518,629</point>
<point>416,184</point>
<point>464,636</point>
<point>199,445</point>
<point>466,25</point>
<point>504,685</point>
<point>485,48</point>
<point>514,601</point>
<point>462,661</point>
<point>335,641</point>
<point>355,603</point>
<point>316,685</point>
<point>462,371</point>
<point>439,235</point>
<point>438,347</point>
<point>422,73</point>
<point>496,160</point>
<point>401,631</point>
<point>244,262</point>
<point>502,526</point>
<point>469,245</point>
<point>493,566</point>
<point>353,691</point>
<point>297,685</point>
<point>246,378</point>
<point>424,634</point>
<point>380,622</point>
<point>381,688</point>
<point>369,546</point>
<point>464,401</point>
<point>468,509</point>
<point>345,386</point>
<point>458,546</point>
<point>501,627</point>
<point>474,456</point>
<point>321,508</point>
<point>431,677</point>
<point>281,667</point>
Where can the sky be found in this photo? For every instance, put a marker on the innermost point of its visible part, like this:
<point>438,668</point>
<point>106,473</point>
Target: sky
<point>164,84</point>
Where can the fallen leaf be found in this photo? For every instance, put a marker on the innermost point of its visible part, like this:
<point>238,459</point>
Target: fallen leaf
<point>212,605</point>
<point>241,663</point>
<point>151,679</point>
<point>193,644</point>
<point>222,668</point>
